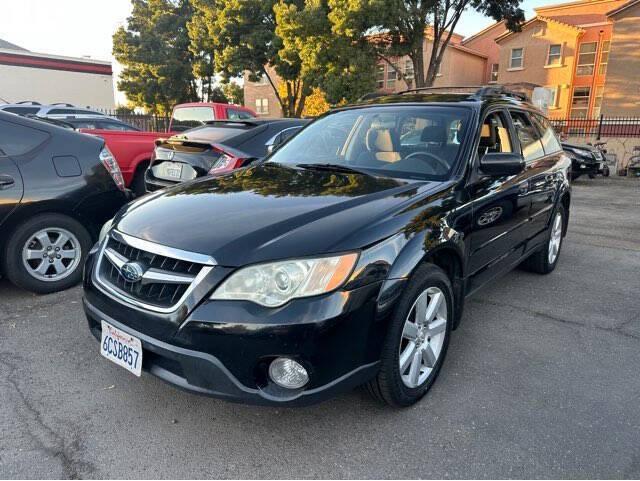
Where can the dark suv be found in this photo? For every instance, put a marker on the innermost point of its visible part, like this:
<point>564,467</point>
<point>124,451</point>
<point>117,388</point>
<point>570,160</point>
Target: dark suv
<point>344,258</point>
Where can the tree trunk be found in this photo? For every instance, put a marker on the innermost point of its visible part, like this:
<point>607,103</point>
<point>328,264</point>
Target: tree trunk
<point>417,56</point>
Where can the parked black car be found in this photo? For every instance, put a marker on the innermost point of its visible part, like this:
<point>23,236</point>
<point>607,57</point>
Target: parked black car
<point>344,258</point>
<point>586,160</point>
<point>92,123</point>
<point>219,146</point>
<point>57,187</point>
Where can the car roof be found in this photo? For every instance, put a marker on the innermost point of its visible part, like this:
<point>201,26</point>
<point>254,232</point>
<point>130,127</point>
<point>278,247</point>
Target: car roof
<point>477,99</point>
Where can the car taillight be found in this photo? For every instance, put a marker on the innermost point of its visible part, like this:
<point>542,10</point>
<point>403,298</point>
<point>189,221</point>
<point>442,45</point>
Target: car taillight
<point>226,163</point>
<point>109,162</point>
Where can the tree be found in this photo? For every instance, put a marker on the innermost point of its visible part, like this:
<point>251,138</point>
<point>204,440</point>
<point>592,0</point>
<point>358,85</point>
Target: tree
<point>399,27</point>
<point>290,43</point>
<point>154,50</point>
<point>201,48</point>
<point>233,92</point>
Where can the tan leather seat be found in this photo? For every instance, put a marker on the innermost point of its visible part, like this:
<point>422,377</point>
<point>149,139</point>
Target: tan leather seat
<point>383,144</point>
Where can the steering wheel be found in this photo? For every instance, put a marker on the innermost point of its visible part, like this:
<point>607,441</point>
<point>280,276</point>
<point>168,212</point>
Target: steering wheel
<point>421,155</point>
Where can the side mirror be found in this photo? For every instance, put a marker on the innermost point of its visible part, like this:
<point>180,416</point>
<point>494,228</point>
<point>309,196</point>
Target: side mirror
<point>502,163</point>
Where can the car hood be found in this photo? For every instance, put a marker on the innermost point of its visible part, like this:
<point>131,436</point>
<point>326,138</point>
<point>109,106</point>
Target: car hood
<point>271,212</point>
<point>578,146</point>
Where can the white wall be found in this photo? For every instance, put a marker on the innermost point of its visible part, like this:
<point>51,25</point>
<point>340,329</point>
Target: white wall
<point>49,86</point>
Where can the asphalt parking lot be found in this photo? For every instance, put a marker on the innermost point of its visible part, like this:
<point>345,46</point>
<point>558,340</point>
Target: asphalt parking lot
<point>542,380</point>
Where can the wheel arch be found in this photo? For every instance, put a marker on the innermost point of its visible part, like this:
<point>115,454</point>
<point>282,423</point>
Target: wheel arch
<point>447,253</point>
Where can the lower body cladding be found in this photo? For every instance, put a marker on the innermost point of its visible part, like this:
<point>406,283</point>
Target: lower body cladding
<point>225,348</point>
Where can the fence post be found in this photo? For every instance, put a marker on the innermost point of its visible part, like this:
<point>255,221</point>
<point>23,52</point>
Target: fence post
<point>600,127</point>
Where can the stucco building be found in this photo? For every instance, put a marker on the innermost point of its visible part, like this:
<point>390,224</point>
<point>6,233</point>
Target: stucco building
<point>44,78</point>
<point>585,52</point>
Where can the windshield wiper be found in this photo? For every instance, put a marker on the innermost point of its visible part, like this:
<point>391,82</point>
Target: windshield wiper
<point>333,168</point>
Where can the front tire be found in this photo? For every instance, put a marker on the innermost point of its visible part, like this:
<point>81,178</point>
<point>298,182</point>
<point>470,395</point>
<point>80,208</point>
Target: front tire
<point>46,253</point>
<point>545,260</point>
<point>417,341</point>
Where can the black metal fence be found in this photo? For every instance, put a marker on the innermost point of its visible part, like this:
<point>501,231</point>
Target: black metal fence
<point>149,123</point>
<point>599,127</point>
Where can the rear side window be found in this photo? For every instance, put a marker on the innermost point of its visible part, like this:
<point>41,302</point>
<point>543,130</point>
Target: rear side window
<point>528,134</point>
<point>22,110</point>
<point>115,126</point>
<point>18,140</point>
<point>550,141</point>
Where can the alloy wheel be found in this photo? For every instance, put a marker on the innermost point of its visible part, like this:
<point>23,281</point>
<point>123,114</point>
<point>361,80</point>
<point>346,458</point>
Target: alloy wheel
<point>51,254</point>
<point>556,238</point>
<point>423,337</point>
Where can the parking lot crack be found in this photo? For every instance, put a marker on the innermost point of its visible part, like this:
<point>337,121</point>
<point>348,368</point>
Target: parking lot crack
<point>47,439</point>
<point>615,330</point>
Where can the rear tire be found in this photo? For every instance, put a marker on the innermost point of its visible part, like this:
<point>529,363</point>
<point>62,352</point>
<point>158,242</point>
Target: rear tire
<point>414,342</point>
<point>46,253</point>
<point>545,260</point>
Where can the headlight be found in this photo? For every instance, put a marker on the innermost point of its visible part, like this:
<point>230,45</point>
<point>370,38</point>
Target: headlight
<point>105,230</point>
<point>276,283</point>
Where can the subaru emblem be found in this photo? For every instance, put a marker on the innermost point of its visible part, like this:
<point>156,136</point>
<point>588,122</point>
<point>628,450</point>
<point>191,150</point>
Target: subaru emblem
<point>132,271</point>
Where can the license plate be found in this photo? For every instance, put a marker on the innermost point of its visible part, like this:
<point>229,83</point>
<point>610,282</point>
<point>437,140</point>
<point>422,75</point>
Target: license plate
<point>171,170</point>
<point>121,348</point>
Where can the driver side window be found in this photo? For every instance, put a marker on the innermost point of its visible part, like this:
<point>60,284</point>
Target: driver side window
<point>494,135</point>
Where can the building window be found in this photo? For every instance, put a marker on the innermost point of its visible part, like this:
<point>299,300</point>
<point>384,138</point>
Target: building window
<point>380,76</point>
<point>554,57</point>
<point>392,75</point>
<point>408,69</point>
<point>580,102</point>
<point>597,101</point>
<point>262,106</point>
<point>604,57</point>
<point>553,96</point>
<point>494,72</point>
<point>517,58</point>
<point>587,58</point>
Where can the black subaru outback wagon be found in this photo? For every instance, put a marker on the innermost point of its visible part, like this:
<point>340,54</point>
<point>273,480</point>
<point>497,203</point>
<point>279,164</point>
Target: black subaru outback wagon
<point>344,258</point>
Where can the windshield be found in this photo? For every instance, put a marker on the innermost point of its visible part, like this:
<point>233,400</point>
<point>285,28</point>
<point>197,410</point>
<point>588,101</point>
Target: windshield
<point>404,141</point>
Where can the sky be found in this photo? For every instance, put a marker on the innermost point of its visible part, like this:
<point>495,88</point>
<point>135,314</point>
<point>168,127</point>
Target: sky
<point>78,28</point>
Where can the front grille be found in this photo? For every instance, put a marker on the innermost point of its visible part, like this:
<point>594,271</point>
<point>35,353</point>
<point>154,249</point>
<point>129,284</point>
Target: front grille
<point>165,279</point>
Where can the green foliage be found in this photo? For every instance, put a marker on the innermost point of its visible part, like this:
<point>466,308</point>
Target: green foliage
<point>233,92</point>
<point>291,38</point>
<point>400,27</point>
<point>154,50</point>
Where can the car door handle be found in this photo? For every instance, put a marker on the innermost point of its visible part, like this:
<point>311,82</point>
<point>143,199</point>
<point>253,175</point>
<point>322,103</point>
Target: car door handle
<point>6,181</point>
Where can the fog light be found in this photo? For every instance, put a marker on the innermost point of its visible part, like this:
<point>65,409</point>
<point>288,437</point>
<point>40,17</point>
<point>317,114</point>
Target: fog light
<point>288,373</point>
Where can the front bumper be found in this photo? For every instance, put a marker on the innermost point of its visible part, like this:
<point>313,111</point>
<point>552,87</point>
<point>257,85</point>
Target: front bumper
<point>223,348</point>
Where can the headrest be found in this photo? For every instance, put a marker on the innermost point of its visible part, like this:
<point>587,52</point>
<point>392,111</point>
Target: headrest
<point>489,135</point>
<point>434,133</point>
<point>381,140</point>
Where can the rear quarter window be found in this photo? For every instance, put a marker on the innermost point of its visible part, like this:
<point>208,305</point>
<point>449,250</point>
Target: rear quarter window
<point>18,140</point>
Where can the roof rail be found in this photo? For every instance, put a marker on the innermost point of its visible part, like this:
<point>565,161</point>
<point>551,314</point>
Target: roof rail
<point>28,102</point>
<point>63,104</point>
<point>475,90</point>
<point>501,91</point>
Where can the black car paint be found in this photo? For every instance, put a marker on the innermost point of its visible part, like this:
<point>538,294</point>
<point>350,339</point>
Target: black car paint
<point>592,164</point>
<point>193,148</point>
<point>62,175</point>
<point>269,212</point>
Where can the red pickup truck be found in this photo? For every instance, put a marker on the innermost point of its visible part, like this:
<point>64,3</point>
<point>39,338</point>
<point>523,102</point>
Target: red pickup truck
<point>133,149</point>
